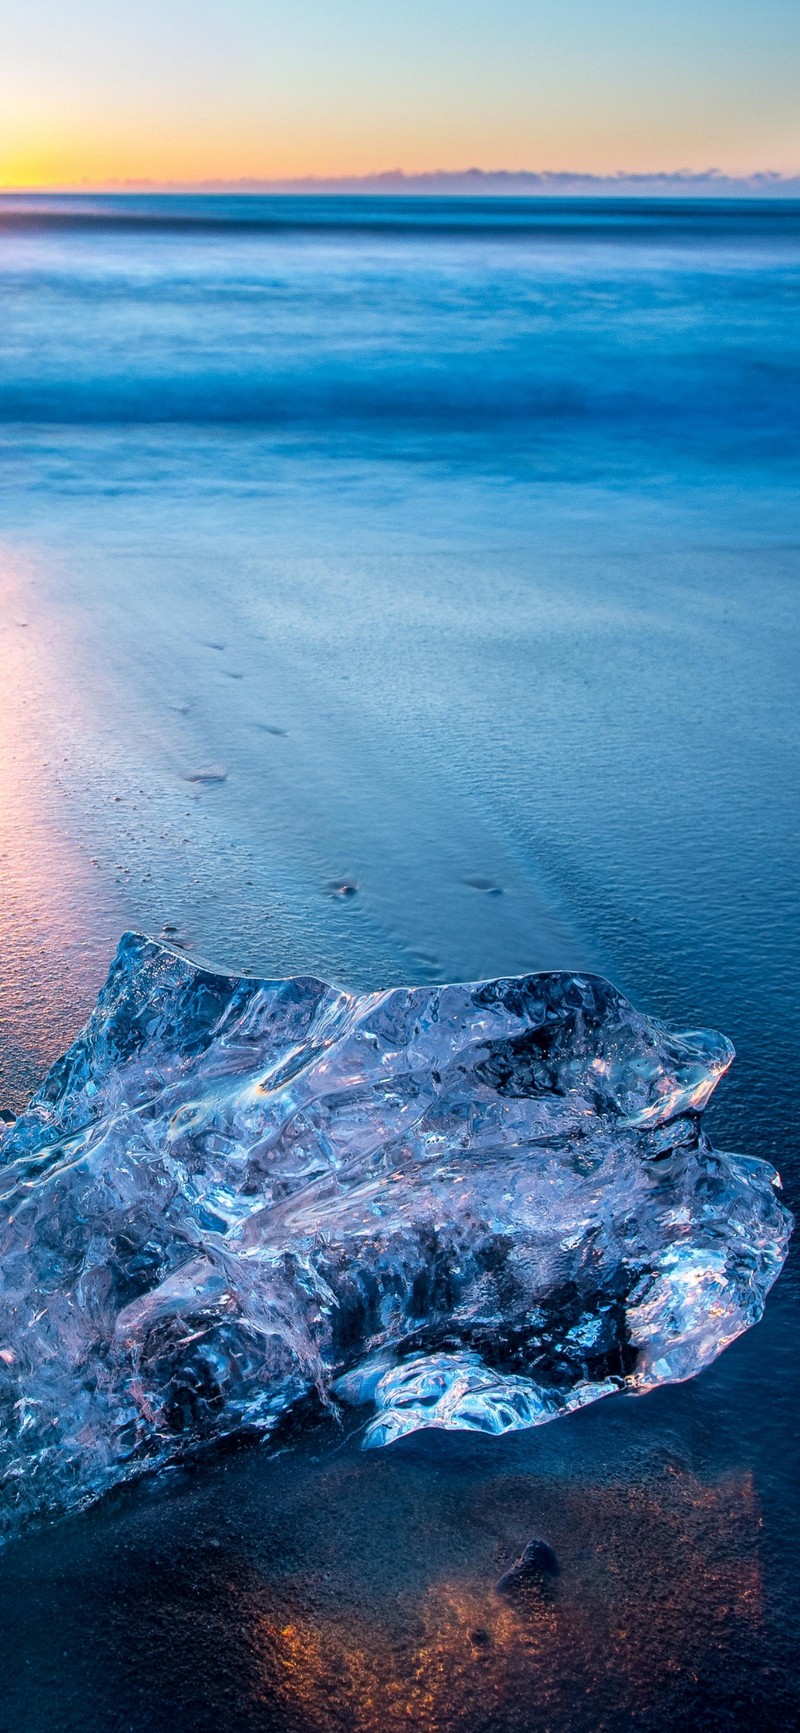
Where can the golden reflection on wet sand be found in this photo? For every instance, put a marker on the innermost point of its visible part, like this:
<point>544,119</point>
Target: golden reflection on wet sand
<point>657,1587</point>
<point>56,930</point>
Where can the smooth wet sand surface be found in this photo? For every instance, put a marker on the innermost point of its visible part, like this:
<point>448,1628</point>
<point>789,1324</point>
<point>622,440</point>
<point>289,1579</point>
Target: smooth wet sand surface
<point>328,1589</point>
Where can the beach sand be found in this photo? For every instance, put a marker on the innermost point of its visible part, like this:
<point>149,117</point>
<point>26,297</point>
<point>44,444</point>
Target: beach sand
<point>391,699</point>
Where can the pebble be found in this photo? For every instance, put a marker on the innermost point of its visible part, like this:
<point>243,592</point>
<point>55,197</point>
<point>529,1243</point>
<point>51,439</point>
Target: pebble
<point>538,1560</point>
<point>208,773</point>
<point>480,1639</point>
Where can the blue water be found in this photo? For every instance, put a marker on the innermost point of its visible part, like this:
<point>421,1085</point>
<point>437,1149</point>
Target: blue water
<point>516,325</point>
<point>461,537</point>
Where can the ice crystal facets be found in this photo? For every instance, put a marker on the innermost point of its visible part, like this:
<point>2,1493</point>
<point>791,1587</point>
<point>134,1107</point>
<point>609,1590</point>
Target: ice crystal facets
<point>472,1206</point>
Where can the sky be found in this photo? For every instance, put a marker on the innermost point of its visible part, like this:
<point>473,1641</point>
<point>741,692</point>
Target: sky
<point>181,90</point>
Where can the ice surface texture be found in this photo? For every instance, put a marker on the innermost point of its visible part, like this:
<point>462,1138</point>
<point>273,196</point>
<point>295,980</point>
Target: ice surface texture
<point>469,1206</point>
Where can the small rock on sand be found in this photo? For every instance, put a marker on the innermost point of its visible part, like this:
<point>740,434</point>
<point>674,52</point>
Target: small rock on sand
<point>538,1561</point>
<point>488,886</point>
<point>208,773</point>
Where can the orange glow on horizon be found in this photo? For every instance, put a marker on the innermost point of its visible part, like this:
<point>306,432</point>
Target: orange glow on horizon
<point>187,155</point>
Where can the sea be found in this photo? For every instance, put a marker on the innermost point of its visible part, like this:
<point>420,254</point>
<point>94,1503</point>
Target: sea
<point>404,590</point>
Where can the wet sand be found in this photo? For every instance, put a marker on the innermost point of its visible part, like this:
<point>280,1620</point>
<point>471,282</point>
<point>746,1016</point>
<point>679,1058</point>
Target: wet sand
<point>329,1589</point>
<point>325,1589</point>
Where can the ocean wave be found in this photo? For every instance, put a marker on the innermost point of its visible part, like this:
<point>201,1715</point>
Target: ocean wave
<point>613,218</point>
<point>454,403</point>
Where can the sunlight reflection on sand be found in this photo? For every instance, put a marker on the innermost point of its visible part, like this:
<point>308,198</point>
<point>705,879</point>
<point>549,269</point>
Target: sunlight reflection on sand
<point>663,1582</point>
<point>53,956</point>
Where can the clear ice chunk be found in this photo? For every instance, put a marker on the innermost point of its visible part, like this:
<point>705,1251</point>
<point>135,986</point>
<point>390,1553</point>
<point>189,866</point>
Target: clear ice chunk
<point>471,1206</point>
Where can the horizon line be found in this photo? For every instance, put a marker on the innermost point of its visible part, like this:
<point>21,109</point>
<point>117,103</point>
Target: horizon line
<point>397,179</point>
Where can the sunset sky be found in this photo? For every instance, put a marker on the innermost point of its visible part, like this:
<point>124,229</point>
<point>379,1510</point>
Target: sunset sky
<point>97,90</point>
